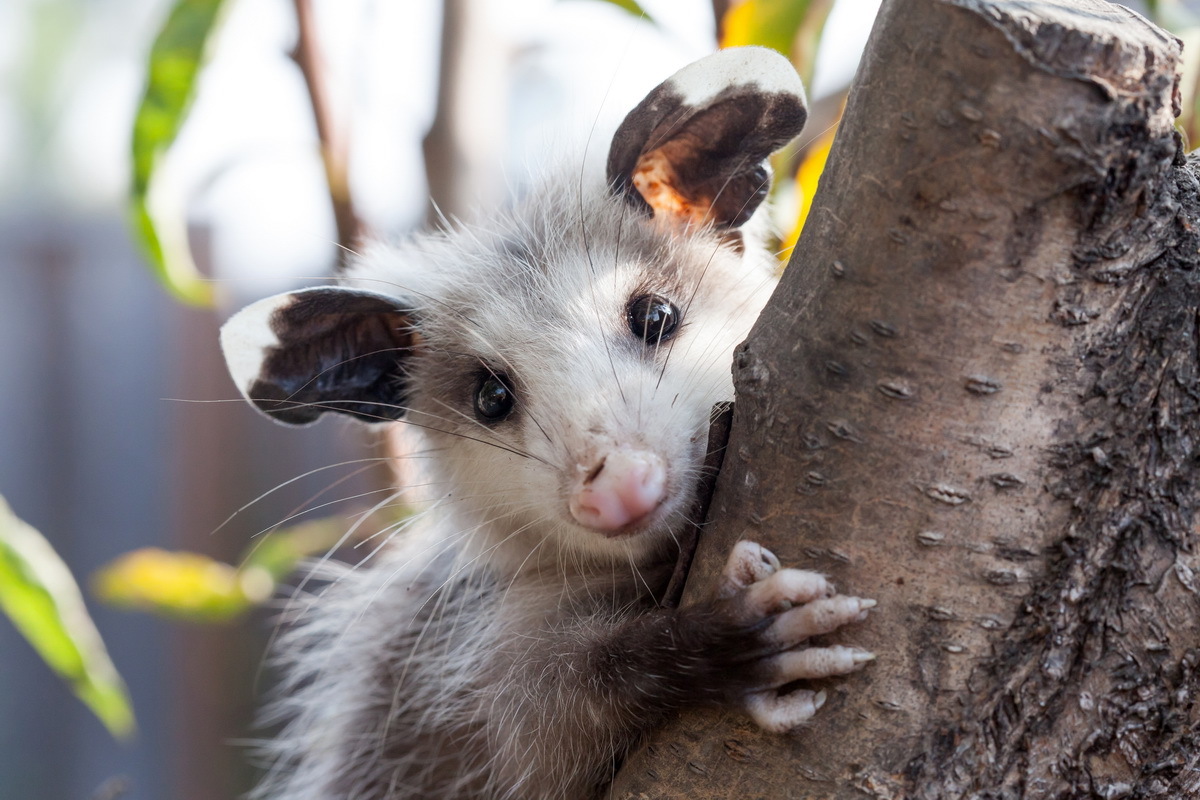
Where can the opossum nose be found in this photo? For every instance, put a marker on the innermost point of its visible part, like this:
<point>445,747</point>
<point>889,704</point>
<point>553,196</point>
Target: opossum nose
<point>621,487</point>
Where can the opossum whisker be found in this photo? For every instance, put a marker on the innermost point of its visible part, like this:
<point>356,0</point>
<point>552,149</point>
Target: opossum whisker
<point>507,363</point>
<point>518,401</point>
<point>405,290</point>
<point>289,608</point>
<point>473,559</point>
<point>621,220</point>
<point>703,272</point>
<point>712,354</point>
<point>445,221</point>
<point>307,509</point>
<point>521,567</point>
<point>637,573</point>
<point>762,282</point>
<point>474,422</point>
<point>441,595</point>
<point>361,612</point>
<point>587,249</point>
<point>349,535</point>
<point>333,406</point>
<point>370,461</point>
<point>304,506</point>
<point>345,248</point>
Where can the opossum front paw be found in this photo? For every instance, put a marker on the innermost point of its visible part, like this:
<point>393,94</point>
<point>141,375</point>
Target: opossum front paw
<point>785,607</point>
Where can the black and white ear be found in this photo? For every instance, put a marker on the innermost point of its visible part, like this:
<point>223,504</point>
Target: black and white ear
<point>694,150</point>
<point>300,354</point>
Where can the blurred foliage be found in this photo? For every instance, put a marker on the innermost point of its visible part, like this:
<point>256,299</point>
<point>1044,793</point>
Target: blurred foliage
<point>1182,21</point>
<point>181,585</point>
<point>158,217</point>
<point>39,595</point>
<point>54,32</point>
<point>792,27</point>
<point>808,175</point>
<point>197,588</point>
<point>632,7</point>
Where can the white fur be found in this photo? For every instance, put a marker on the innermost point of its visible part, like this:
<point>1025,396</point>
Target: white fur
<point>456,664</point>
<point>247,338</point>
<point>699,83</point>
<point>555,333</point>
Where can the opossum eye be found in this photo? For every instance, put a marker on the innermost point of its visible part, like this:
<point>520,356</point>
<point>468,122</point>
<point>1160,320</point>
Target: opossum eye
<point>493,400</point>
<point>653,318</point>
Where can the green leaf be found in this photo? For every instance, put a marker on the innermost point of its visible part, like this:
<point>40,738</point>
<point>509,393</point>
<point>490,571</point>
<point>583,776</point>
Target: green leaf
<point>39,595</point>
<point>281,551</point>
<point>175,61</point>
<point>633,7</point>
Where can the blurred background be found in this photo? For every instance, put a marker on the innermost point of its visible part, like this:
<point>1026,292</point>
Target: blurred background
<point>119,428</point>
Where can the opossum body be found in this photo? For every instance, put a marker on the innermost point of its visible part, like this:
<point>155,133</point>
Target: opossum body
<point>561,364</point>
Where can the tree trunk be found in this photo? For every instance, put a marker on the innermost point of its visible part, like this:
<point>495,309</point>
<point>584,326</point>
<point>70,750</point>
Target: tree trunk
<point>974,397</point>
<point>464,145</point>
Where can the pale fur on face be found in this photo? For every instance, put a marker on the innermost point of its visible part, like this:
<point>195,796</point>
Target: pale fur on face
<point>541,298</point>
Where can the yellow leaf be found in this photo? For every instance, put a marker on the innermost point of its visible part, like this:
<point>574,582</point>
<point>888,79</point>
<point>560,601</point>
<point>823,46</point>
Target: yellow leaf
<point>185,585</point>
<point>808,175</point>
<point>791,27</point>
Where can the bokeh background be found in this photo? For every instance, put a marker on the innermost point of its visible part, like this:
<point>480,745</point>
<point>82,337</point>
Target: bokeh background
<point>118,426</point>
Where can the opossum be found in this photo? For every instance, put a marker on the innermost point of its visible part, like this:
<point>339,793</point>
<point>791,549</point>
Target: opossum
<point>560,361</point>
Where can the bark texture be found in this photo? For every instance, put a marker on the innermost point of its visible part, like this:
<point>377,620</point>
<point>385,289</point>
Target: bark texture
<point>974,397</point>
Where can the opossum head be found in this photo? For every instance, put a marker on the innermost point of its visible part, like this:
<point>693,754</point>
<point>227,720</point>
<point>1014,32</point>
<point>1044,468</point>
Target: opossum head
<point>562,358</point>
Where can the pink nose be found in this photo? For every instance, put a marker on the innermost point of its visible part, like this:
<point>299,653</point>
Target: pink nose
<point>624,486</point>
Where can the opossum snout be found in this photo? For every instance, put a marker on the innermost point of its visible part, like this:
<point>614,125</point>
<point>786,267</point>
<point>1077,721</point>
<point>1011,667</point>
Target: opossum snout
<point>618,488</point>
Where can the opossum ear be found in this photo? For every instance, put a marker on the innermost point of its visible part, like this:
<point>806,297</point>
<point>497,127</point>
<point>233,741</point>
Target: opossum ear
<point>300,354</point>
<point>695,149</point>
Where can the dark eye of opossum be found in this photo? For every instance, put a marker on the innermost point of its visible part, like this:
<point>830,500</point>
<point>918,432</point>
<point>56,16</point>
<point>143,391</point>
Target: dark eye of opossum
<point>493,400</point>
<point>653,318</point>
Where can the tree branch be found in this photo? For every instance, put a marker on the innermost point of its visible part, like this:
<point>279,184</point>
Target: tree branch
<point>334,152</point>
<point>463,156</point>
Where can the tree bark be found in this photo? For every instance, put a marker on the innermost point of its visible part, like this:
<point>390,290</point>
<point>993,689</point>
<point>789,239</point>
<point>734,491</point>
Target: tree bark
<point>974,398</point>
